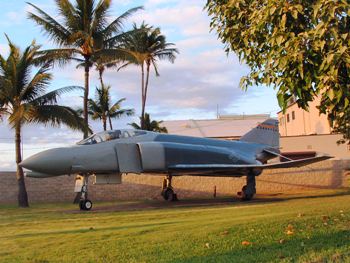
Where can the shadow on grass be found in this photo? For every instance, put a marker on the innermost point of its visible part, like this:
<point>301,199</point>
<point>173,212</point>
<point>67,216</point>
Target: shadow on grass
<point>198,203</point>
<point>328,247</point>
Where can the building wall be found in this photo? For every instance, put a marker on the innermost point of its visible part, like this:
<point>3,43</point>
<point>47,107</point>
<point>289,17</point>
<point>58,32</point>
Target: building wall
<point>297,121</point>
<point>327,174</point>
<point>326,143</point>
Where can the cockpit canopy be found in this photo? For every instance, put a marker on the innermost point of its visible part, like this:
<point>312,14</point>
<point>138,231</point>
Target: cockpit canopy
<point>110,135</point>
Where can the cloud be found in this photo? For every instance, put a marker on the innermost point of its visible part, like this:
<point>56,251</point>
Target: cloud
<point>201,78</point>
<point>199,82</point>
<point>14,17</point>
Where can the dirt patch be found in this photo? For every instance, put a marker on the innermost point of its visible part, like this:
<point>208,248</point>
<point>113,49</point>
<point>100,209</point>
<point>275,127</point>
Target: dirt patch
<point>162,204</point>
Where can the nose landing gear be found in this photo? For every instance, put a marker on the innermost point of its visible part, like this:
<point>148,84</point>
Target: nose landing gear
<point>167,190</point>
<point>84,203</point>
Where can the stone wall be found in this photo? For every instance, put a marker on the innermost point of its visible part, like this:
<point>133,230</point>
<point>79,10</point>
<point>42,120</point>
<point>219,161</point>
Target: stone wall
<point>323,175</point>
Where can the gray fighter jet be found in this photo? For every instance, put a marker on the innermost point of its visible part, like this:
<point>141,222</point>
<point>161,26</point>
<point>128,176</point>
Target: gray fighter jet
<point>136,151</point>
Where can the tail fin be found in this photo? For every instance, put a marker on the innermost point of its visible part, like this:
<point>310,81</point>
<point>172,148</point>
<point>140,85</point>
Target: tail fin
<point>264,133</point>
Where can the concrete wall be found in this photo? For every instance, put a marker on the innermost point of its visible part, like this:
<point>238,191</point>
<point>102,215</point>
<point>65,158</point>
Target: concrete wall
<point>327,174</point>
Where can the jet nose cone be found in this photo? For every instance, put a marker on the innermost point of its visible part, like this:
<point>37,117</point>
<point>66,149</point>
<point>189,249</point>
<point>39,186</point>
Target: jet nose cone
<point>31,163</point>
<point>54,161</point>
<point>26,163</point>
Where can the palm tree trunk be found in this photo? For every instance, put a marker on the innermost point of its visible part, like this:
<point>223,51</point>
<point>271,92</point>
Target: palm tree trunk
<point>110,122</point>
<point>100,72</point>
<point>143,97</point>
<point>86,95</point>
<point>22,191</point>
<point>146,85</point>
<point>104,120</point>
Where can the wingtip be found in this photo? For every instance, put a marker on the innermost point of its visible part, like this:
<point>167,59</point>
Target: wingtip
<point>325,156</point>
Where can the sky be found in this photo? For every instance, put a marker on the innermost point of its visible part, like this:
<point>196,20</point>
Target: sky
<point>202,79</point>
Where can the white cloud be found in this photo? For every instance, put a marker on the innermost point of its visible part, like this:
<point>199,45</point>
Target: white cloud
<point>201,78</point>
<point>14,17</point>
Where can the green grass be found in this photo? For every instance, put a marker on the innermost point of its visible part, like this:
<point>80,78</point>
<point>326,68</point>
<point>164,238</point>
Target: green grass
<point>50,233</point>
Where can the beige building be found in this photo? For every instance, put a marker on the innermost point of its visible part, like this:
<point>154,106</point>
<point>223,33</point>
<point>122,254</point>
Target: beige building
<point>296,121</point>
<point>305,133</point>
<point>229,127</point>
<point>309,131</point>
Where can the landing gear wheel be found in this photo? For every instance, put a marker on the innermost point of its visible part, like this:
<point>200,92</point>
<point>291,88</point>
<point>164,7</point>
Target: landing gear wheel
<point>169,195</point>
<point>85,205</point>
<point>249,190</point>
<point>246,195</point>
<point>168,191</point>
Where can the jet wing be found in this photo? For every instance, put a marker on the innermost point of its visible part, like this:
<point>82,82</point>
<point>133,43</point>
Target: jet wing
<point>239,169</point>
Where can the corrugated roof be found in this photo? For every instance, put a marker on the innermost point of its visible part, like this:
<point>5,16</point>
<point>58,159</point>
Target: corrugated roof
<point>215,128</point>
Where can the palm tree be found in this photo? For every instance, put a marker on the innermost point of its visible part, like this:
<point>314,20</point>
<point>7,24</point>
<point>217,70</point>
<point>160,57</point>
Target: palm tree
<point>24,100</point>
<point>101,107</point>
<point>102,63</point>
<point>149,125</point>
<point>85,32</point>
<point>147,45</point>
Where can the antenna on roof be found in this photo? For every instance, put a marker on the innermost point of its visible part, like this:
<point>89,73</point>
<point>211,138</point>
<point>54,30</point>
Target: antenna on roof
<point>217,111</point>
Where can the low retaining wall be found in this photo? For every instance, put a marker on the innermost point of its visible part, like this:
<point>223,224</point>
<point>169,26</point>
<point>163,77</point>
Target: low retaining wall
<point>323,175</point>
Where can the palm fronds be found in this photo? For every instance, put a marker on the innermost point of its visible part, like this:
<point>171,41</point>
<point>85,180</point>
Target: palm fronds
<point>149,125</point>
<point>147,45</point>
<point>101,108</point>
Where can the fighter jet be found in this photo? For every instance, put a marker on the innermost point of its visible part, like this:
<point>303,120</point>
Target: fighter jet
<point>119,152</point>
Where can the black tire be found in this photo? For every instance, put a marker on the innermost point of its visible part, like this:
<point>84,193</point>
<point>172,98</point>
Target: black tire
<point>246,196</point>
<point>168,194</point>
<point>85,205</point>
<point>171,195</point>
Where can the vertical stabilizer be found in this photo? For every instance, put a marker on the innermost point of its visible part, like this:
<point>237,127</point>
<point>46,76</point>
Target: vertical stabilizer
<point>264,133</point>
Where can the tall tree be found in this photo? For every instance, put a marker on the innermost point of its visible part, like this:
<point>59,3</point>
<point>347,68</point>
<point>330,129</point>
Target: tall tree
<point>299,47</point>
<point>24,100</point>
<point>101,107</point>
<point>147,45</point>
<point>103,63</point>
<point>85,31</point>
<point>150,125</point>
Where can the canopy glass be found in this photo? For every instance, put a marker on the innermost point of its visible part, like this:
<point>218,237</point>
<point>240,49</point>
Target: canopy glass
<point>110,135</point>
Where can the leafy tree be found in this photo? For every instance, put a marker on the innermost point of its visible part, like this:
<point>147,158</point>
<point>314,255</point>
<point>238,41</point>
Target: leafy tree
<point>147,45</point>
<point>24,100</point>
<point>101,107</point>
<point>299,47</point>
<point>85,31</point>
<point>150,125</point>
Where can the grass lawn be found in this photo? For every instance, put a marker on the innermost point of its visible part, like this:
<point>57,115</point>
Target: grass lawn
<point>305,228</point>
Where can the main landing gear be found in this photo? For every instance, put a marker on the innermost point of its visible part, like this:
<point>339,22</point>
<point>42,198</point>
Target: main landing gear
<point>249,190</point>
<point>167,190</point>
<point>85,203</point>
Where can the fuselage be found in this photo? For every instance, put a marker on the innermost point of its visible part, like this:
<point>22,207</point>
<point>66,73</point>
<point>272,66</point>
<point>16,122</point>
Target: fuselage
<point>99,153</point>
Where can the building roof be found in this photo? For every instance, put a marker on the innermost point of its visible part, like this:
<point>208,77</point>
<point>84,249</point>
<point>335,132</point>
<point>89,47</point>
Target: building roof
<point>225,126</point>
